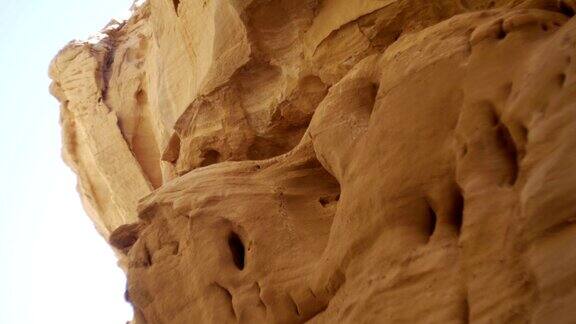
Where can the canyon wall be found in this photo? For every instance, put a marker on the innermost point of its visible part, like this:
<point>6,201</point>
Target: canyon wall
<point>331,161</point>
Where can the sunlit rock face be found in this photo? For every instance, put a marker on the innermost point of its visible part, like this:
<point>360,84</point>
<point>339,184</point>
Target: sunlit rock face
<point>336,161</point>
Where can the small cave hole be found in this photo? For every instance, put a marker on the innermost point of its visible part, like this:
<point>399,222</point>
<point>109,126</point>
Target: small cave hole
<point>210,157</point>
<point>325,201</point>
<point>369,95</point>
<point>507,143</point>
<point>501,34</point>
<point>125,236</point>
<point>463,150</point>
<point>432,220</point>
<point>176,4</point>
<point>561,79</point>
<point>458,212</point>
<point>566,9</point>
<point>237,249</point>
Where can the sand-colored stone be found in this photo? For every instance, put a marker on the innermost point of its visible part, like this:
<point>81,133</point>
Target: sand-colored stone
<point>366,161</point>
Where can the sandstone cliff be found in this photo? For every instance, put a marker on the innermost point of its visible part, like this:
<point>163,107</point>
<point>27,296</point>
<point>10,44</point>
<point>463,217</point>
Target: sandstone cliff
<point>332,161</point>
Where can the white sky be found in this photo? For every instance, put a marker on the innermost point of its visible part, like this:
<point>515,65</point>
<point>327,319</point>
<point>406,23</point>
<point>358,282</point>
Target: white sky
<point>54,267</point>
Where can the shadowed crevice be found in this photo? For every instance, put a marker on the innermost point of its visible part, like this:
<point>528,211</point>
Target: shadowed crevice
<point>237,250</point>
<point>176,4</point>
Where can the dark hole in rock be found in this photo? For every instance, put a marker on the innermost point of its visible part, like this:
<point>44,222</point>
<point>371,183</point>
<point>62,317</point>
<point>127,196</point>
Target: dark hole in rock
<point>561,79</point>
<point>507,143</point>
<point>210,157</point>
<point>432,219</point>
<point>464,150</point>
<point>325,201</point>
<point>458,217</point>
<point>566,9</point>
<point>501,34</point>
<point>176,4</point>
<point>125,236</point>
<point>237,250</point>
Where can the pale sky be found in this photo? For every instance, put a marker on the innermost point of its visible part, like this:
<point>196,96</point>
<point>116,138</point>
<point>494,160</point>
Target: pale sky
<point>54,267</point>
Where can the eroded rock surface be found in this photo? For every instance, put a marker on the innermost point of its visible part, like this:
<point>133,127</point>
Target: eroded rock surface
<point>336,161</point>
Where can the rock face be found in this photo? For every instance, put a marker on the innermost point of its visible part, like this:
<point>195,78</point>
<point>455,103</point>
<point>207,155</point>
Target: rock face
<point>334,161</point>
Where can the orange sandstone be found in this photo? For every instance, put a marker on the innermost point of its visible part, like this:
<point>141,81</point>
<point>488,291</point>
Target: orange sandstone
<point>335,161</point>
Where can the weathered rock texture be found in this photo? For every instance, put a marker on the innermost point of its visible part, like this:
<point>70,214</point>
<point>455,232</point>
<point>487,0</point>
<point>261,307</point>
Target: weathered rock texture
<point>335,161</point>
